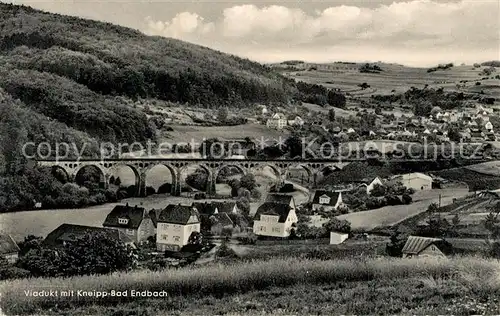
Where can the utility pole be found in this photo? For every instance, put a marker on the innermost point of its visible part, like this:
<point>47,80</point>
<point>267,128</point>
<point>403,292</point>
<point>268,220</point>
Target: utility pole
<point>439,199</point>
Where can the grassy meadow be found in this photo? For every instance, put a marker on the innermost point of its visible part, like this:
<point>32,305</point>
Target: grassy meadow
<point>460,285</point>
<point>392,215</point>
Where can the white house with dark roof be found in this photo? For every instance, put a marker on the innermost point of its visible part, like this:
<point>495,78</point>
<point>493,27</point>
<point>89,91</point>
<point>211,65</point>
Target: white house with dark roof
<point>134,221</point>
<point>175,224</point>
<point>9,249</point>
<point>276,216</point>
<point>326,200</point>
<point>277,121</point>
<point>417,246</point>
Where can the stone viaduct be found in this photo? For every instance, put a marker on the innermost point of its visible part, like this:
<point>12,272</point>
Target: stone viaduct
<point>140,167</point>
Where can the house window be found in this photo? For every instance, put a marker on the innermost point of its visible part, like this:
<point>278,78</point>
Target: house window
<point>123,221</point>
<point>177,238</point>
<point>323,201</point>
<point>262,228</point>
<point>164,237</point>
<point>276,229</point>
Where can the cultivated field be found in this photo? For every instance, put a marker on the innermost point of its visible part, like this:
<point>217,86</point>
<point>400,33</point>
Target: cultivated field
<point>462,285</point>
<point>187,133</point>
<point>399,78</point>
<point>391,215</point>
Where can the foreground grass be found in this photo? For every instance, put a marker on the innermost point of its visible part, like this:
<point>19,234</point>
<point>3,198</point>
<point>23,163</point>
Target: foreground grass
<point>222,284</point>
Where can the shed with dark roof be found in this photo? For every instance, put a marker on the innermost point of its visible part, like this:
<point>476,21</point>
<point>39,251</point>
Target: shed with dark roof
<point>424,246</point>
<point>70,232</point>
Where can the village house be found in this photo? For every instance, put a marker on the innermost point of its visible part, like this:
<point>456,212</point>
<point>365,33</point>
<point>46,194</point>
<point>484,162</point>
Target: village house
<point>9,250</point>
<point>476,135</point>
<point>417,246</point>
<point>277,121</point>
<point>416,180</point>
<point>134,221</point>
<point>326,200</point>
<point>372,183</point>
<point>275,217</point>
<point>175,224</point>
<point>488,126</point>
<point>70,232</point>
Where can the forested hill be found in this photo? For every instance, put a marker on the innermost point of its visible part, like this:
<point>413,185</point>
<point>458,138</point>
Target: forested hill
<point>72,70</point>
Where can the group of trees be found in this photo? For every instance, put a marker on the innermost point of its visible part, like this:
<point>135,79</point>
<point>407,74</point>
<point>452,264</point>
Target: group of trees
<point>440,67</point>
<point>367,68</point>
<point>318,94</point>
<point>93,253</point>
<point>304,230</point>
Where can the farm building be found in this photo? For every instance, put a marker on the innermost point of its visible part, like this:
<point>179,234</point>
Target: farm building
<point>337,238</point>
<point>69,232</point>
<point>326,200</point>
<point>416,180</point>
<point>8,248</point>
<point>423,247</point>
<point>132,221</point>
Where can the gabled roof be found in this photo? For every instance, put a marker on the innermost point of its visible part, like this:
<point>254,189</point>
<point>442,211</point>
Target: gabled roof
<point>273,208</point>
<point>134,214</point>
<point>416,244</point>
<point>223,219</point>
<point>209,208</point>
<point>178,214</point>
<point>224,207</point>
<point>71,232</point>
<point>279,198</point>
<point>7,245</point>
<point>334,196</point>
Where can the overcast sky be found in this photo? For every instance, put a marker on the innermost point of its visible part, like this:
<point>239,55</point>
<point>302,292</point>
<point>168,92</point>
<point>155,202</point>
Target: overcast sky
<point>418,32</point>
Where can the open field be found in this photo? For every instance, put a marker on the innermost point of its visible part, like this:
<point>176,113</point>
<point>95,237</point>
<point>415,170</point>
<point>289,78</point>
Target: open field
<point>488,168</point>
<point>391,215</point>
<point>425,285</point>
<point>187,133</point>
<point>400,79</point>
<point>324,110</point>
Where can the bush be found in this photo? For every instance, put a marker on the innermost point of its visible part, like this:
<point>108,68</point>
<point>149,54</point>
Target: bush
<point>407,199</point>
<point>10,272</point>
<point>225,252</point>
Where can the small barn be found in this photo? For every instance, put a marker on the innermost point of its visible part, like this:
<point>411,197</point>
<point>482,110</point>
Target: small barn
<point>417,246</point>
<point>8,248</point>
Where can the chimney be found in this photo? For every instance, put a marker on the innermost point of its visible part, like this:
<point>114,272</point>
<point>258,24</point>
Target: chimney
<point>127,204</point>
